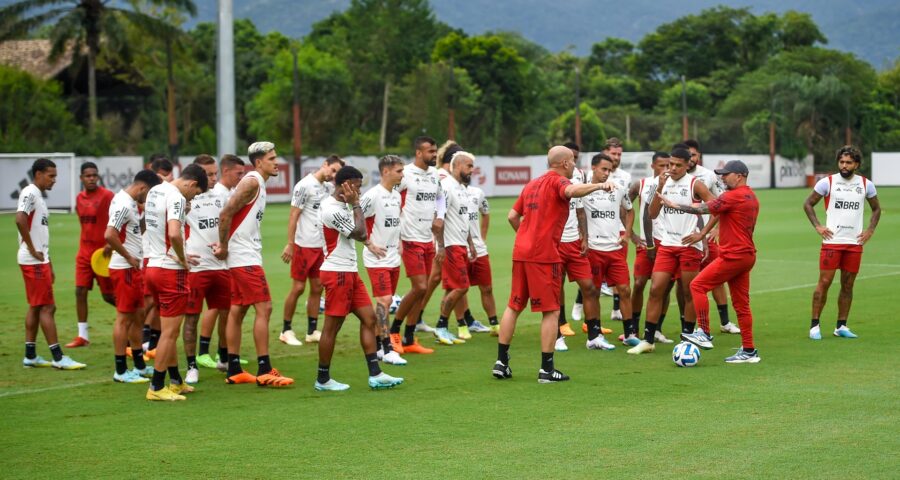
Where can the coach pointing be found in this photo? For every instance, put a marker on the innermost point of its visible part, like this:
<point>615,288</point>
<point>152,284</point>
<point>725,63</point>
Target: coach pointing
<point>538,217</point>
<point>737,210</point>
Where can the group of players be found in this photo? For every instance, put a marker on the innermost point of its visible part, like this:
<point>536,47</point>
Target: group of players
<point>175,243</point>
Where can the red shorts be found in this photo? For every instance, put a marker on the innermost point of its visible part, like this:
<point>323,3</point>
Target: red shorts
<point>383,280</point>
<point>480,272</point>
<point>713,254</point>
<point>38,284</point>
<point>643,266</point>
<point>540,282</point>
<point>249,286</point>
<point>129,289</point>
<point>147,292</point>
<point>577,267</point>
<point>609,267</point>
<point>417,258</point>
<point>455,269</point>
<point>169,289</point>
<point>345,292</point>
<point>677,259</point>
<point>84,274</point>
<point>212,285</point>
<point>846,258</point>
<point>306,262</point>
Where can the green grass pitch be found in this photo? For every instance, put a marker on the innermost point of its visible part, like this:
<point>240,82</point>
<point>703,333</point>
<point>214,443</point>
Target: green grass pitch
<point>824,409</point>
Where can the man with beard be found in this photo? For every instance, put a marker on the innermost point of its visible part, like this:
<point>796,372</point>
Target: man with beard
<point>842,235</point>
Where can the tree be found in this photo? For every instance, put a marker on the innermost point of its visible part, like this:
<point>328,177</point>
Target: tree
<point>813,93</point>
<point>614,56</point>
<point>593,132</point>
<point>325,93</point>
<point>502,76</point>
<point>34,117</point>
<point>84,24</point>
<point>425,97</point>
<point>381,41</point>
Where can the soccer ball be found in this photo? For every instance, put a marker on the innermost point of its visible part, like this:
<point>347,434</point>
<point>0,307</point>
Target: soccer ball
<point>395,304</point>
<point>686,354</point>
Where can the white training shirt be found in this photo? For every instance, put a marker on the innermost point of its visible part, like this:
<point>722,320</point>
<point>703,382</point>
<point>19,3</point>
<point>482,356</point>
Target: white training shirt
<point>164,203</point>
<point>124,217</point>
<point>477,204</point>
<point>245,243</point>
<point>308,195</point>
<point>419,206</point>
<point>456,220</point>
<point>31,202</point>
<point>845,200</point>
<point>381,207</point>
<point>337,225</point>
<point>646,192</point>
<point>604,223</point>
<point>711,180</point>
<point>675,224</point>
<point>622,179</point>
<point>203,228</point>
<point>570,232</point>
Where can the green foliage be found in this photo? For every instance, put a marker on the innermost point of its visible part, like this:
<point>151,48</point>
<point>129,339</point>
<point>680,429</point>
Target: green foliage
<point>325,92</point>
<point>34,117</point>
<point>614,56</point>
<point>593,133</point>
<point>425,97</point>
<point>881,117</point>
<point>815,94</point>
<point>697,95</point>
<point>509,95</point>
<point>504,79</point>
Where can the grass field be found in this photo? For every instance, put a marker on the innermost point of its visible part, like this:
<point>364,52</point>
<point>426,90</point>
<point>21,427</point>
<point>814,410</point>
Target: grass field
<point>824,409</point>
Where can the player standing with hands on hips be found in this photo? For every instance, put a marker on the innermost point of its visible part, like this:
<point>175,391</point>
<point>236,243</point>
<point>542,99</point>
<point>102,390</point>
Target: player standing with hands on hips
<point>842,235</point>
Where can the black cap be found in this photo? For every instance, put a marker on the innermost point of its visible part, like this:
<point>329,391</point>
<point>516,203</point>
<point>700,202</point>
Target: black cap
<point>734,166</point>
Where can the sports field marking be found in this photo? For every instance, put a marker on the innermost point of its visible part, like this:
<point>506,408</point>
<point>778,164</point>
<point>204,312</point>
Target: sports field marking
<point>29,391</point>
<point>810,285</point>
<point>816,262</point>
<point>66,386</point>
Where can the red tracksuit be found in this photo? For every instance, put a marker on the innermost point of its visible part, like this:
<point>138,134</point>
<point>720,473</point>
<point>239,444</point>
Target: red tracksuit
<point>737,210</point>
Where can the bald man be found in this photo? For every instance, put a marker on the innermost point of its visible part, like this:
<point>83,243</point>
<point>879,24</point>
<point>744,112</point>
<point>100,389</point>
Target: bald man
<point>538,217</point>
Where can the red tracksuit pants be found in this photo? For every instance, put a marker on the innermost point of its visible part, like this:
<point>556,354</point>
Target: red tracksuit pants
<point>735,272</point>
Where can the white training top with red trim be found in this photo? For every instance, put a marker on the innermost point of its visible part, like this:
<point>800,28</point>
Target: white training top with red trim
<point>245,243</point>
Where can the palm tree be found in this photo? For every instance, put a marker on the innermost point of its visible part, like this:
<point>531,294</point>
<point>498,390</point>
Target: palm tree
<point>82,25</point>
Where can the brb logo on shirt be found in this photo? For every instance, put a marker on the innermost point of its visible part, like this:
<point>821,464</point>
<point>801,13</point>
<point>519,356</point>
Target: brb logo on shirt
<point>391,222</point>
<point>603,214</point>
<point>847,205</point>
<point>206,223</point>
<point>426,197</point>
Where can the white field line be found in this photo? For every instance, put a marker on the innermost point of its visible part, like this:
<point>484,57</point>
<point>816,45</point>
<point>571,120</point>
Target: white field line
<point>816,262</point>
<point>98,381</point>
<point>52,388</point>
<point>810,285</point>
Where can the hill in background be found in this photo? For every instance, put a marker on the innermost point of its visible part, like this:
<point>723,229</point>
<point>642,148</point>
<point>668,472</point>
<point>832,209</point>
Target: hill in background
<point>869,29</point>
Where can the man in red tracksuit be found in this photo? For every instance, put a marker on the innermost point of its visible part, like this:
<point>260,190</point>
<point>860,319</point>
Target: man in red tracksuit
<point>737,210</point>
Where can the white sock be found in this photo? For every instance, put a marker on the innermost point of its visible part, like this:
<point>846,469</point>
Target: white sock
<point>83,330</point>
